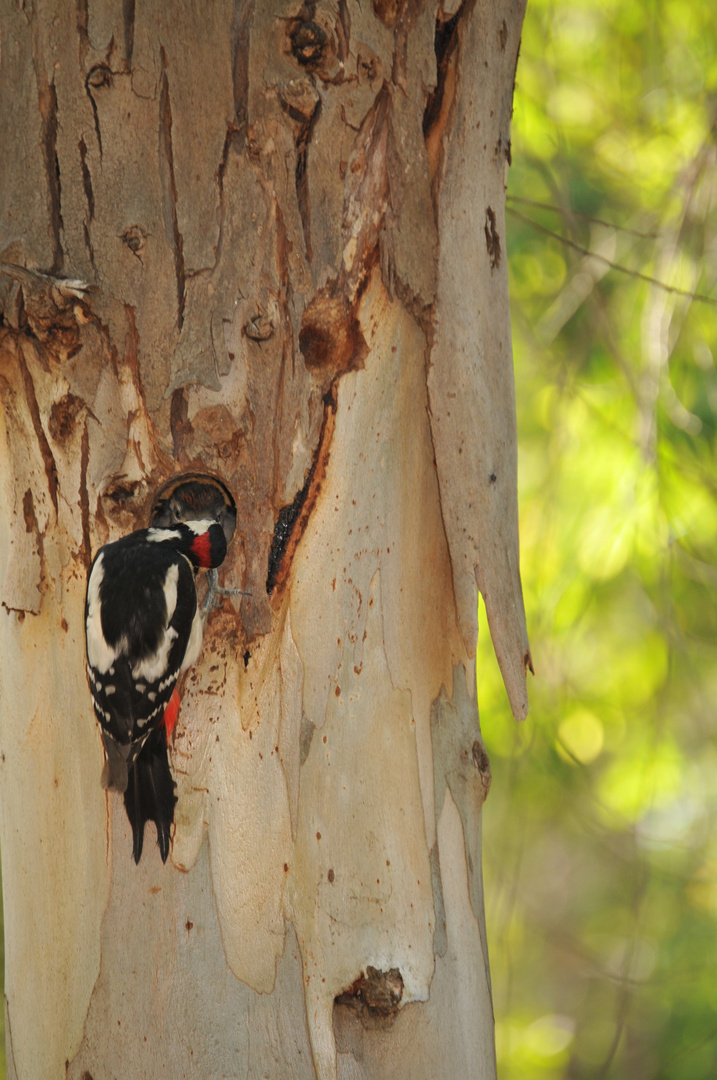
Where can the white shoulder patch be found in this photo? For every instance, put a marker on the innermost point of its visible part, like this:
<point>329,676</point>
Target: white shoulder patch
<point>100,655</point>
<point>194,645</point>
<point>170,590</point>
<point>156,536</point>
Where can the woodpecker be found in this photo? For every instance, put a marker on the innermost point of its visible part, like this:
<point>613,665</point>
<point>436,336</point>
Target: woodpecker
<point>143,629</point>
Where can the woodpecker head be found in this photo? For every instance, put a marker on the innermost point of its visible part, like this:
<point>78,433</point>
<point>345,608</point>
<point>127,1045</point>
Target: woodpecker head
<point>195,498</point>
<point>203,542</point>
<point>209,546</point>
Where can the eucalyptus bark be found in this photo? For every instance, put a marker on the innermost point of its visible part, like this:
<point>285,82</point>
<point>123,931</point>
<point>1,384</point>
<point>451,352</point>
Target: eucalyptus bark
<point>263,242</point>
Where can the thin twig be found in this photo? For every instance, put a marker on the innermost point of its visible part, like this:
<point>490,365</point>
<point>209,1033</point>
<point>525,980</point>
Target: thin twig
<point>613,265</point>
<point>583,217</point>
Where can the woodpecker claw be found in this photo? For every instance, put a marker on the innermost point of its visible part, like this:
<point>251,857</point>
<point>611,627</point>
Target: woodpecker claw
<point>214,591</point>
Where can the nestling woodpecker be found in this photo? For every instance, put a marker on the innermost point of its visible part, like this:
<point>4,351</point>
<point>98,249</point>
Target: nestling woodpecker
<point>143,629</point>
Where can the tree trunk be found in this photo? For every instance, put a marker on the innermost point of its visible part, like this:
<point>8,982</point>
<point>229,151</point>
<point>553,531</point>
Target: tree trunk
<point>291,222</point>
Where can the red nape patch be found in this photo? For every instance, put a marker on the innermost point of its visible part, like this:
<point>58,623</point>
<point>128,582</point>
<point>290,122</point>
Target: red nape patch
<point>171,713</point>
<point>202,548</point>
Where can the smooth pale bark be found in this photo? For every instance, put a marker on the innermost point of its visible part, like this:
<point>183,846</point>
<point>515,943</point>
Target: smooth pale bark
<point>290,220</point>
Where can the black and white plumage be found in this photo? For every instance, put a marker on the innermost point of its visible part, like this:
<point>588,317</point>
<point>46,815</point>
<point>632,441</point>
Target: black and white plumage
<point>143,629</point>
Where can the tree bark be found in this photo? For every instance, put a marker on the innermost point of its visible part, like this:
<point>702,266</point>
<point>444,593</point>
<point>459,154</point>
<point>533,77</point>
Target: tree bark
<point>264,242</point>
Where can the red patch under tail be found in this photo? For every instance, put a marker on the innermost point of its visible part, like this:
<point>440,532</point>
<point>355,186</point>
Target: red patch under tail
<point>170,714</point>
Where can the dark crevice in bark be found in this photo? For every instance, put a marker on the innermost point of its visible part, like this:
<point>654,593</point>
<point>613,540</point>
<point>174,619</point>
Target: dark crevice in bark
<point>512,92</point>
<point>445,43</point>
<point>492,238</point>
<point>232,137</point>
<point>241,35</point>
<point>302,181</point>
<point>169,187</point>
<point>343,30</point>
<point>95,114</point>
<point>82,22</point>
<point>279,409</point>
<point>285,522</point>
<point>88,245</point>
<point>86,179</point>
<point>287,351</point>
<point>128,22</point>
<point>438,113</point>
<point>48,113</point>
<point>292,518</point>
<point>90,197</point>
<point>9,1051</point>
<point>131,351</point>
<point>43,445</point>
<point>86,551</point>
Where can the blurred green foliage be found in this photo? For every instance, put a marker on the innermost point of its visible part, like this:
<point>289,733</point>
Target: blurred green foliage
<point>600,846</point>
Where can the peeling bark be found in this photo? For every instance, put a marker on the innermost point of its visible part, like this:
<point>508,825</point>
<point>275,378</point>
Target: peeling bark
<point>263,242</point>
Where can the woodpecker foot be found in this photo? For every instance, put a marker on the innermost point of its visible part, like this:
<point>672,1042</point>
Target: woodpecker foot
<point>214,592</point>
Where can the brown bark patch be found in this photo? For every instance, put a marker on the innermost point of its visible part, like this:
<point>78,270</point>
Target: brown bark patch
<point>330,336</point>
<point>481,761</point>
<point>388,11</point>
<point>180,424</point>
<point>63,417</point>
<point>375,996</point>
<point>492,239</point>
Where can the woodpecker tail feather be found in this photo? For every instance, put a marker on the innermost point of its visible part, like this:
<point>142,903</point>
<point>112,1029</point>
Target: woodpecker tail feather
<point>150,794</point>
<point>114,774</point>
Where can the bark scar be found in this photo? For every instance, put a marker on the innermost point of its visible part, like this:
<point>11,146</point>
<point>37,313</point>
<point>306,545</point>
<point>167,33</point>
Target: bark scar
<point>375,995</point>
<point>128,21</point>
<point>169,187</point>
<point>492,239</point>
<point>47,100</point>
<point>44,446</point>
<point>241,33</point>
<point>86,551</point>
<point>440,102</point>
<point>293,518</point>
<point>302,103</point>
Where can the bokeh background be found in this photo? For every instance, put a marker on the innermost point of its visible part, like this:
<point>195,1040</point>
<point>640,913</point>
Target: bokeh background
<point>600,841</point>
<point>600,847</point>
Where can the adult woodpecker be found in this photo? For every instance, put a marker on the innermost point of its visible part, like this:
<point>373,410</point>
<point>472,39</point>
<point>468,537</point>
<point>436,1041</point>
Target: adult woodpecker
<point>143,629</point>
